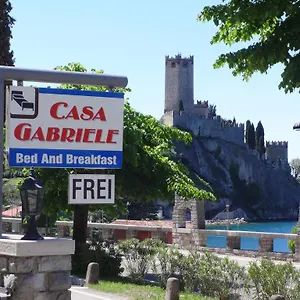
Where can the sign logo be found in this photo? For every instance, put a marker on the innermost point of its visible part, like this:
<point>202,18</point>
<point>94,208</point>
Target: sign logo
<point>24,102</point>
<point>55,128</point>
<point>91,189</point>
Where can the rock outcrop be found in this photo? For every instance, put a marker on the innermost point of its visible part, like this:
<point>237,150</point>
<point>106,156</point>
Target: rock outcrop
<point>251,186</point>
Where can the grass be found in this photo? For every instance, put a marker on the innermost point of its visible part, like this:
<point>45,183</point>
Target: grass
<point>122,287</point>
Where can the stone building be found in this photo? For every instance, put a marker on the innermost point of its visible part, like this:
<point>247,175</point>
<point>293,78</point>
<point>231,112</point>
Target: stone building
<point>181,111</point>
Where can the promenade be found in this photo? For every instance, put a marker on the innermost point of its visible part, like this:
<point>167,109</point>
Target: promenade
<point>86,293</point>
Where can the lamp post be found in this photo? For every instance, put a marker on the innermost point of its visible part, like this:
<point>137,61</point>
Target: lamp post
<point>32,194</point>
<point>227,216</point>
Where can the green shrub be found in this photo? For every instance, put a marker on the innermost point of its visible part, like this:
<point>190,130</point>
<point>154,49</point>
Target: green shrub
<point>219,277</point>
<point>292,243</point>
<point>138,256</point>
<point>269,279</point>
<point>189,268</point>
<point>167,263</point>
<point>98,251</point>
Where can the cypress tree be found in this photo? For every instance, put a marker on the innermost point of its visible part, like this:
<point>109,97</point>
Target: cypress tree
<point>251,136</point>
<point>261,146</point>
<point>248,123</point>
<point>259,133</point>
<point>6,23</point>
<point>6,55</point>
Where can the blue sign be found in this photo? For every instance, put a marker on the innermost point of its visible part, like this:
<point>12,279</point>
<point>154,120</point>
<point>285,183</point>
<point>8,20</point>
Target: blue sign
<point>55,128</point>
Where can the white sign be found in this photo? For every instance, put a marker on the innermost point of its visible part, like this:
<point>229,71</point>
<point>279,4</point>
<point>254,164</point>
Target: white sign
<point>64,128</point>
<point>91,189</point>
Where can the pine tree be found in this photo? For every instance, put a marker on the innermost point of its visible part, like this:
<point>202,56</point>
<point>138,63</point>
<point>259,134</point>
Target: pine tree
<point>6,23</point>
<point>251,136</point>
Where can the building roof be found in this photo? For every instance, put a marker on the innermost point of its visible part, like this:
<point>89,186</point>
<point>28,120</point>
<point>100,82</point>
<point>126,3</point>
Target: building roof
<point>13,212</point>
<point>150,223</point>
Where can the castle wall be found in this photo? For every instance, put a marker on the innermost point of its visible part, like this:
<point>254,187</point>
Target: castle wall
<point>179,83</point>
<point>204,127</point>
<point>275,150</point>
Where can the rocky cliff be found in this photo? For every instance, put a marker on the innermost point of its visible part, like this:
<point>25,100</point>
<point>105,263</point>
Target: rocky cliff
<point>251,186</point>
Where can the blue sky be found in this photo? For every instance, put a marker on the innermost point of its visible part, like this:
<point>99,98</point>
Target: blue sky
<point>131,38</point>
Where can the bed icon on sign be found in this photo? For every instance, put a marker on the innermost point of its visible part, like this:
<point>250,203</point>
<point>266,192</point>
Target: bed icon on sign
<point>23,102</point>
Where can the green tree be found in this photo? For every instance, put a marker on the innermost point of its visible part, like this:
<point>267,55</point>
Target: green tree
<point>149,169</point>
<point>271,30</point>
<point>295,166</point>
<point>6,23</point>
<point>261,146</point>
<point>260,138</point>
<point>251,136</point>
<point>248,123</point>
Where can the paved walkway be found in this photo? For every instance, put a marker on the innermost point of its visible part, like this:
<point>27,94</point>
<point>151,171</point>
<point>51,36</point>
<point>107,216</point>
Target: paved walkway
<point>79,293</point>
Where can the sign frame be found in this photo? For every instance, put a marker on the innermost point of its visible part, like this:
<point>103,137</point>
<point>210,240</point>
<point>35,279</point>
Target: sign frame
<point>88,185</point>
<point>96,125</point>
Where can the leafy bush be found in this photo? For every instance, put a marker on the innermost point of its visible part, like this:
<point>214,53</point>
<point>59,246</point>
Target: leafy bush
<point>269,279</point>
<point>292,243</point>
<point>219,277</point>
<point>167,264</point>
<point>98,251</point>
<point>137,256</point>
<point>189,268</point>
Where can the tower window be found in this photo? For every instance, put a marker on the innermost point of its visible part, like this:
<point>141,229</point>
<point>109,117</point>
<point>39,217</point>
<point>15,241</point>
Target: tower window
<point>173,65</point>
<point>185,64</point>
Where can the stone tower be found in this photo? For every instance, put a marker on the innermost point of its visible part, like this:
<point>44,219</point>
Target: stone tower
<point>179,83</point>
<point>277,150</point>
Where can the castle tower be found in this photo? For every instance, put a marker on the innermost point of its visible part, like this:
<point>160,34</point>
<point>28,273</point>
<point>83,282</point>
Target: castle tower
<point>179,83</point>
<point>277,150</point>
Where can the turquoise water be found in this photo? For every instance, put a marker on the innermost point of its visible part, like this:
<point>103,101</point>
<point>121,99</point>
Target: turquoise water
<point>249,243</point>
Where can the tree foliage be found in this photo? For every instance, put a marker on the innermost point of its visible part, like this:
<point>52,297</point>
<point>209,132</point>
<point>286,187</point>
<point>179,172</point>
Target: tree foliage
<point>212,111</point>
<point>251,136</point>
<point>149,169</point>
<point>248,124</point>
<point>271,27</point>
<point>295,166</point>
<point>6,23</point>
<point>260,138</point>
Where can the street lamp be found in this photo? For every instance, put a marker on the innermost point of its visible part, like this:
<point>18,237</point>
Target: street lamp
<point>227,216</point>
<point>32,194</point>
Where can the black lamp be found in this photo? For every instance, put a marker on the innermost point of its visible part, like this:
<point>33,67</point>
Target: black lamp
<point>32,194</point>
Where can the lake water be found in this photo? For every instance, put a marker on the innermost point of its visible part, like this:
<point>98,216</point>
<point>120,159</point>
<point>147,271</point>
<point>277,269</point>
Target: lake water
<point>249,243</point>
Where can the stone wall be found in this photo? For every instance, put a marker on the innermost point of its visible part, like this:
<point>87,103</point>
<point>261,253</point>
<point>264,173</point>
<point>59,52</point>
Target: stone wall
<point>204,127</point>
<point>36,270</point>
<point>39,277</point>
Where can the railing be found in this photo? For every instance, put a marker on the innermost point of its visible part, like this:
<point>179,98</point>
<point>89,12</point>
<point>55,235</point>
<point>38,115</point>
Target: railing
<point>181,237</point>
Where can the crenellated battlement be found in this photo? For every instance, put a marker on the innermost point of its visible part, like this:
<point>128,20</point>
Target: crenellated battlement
<point>239,125</point>
<point>277,144</point>
<point>277,150</point>
<point>178,58</point>
<point>203,104</point>
<point>202,126</point>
